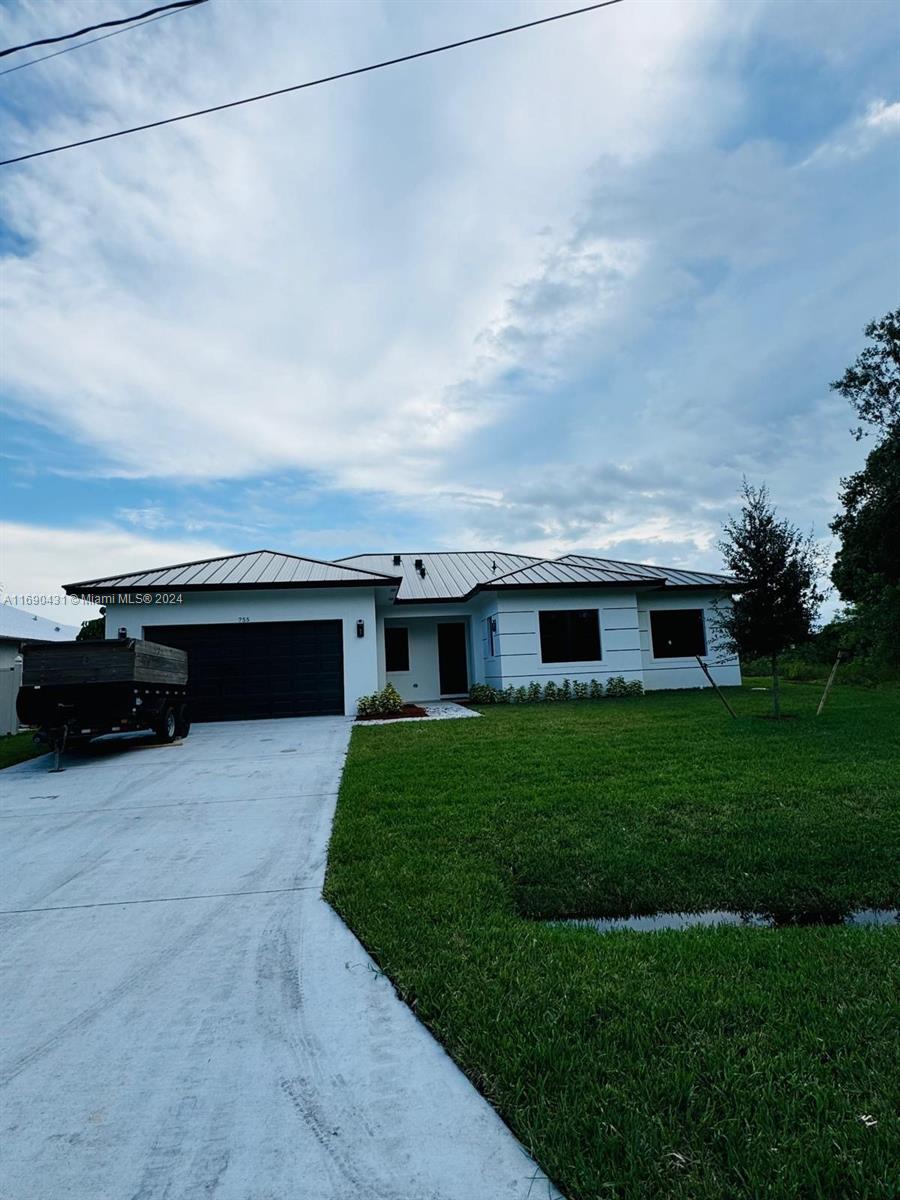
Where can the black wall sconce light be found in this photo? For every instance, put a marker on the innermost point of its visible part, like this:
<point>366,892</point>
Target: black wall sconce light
<point>360,629</point>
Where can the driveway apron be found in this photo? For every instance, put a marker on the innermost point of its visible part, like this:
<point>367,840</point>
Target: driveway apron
<point>183,1016</point>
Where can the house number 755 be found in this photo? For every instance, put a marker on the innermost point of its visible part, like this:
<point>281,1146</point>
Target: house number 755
<point>243,620</point>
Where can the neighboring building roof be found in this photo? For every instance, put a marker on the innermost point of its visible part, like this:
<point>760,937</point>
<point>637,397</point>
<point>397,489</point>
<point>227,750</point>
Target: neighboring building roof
<point>256,569</point>
<point>19,626</point>
<point>449,574</point>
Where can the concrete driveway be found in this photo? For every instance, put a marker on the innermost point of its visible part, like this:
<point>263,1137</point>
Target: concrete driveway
<point>183,1015</point>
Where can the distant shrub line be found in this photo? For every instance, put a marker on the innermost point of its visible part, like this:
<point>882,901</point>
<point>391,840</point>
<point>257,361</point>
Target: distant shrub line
<point>535,693</point>
<point>802,669</point>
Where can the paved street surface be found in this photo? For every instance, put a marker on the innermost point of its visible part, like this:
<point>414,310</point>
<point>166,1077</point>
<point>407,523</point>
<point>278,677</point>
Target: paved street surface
<point>184,1017</point>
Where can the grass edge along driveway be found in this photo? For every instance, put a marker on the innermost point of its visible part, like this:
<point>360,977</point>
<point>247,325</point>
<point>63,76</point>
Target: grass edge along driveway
<point>18,747</point>
<point>700,1065</point>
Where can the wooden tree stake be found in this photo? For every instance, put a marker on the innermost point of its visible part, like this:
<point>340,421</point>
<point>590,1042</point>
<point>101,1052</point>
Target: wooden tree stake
<point>840,655</point>
<point>703,667</point>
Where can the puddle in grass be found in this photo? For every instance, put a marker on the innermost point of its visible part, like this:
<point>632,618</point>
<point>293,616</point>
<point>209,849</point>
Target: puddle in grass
<point>687,920</point>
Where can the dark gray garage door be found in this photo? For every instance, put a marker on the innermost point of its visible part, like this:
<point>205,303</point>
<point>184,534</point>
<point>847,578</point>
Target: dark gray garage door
<point>269,669</point>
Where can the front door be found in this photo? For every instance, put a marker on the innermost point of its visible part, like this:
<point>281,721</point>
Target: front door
<point>452,663</point>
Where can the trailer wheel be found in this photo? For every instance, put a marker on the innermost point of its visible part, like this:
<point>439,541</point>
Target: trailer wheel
<point>183,721</point>
<point>167,725</point>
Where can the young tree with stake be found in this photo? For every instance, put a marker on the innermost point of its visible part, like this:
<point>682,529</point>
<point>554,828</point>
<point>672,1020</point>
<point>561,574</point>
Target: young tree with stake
<point>780,599</point>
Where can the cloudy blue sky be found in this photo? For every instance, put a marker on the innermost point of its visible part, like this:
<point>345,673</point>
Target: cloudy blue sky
<point>554,292</point>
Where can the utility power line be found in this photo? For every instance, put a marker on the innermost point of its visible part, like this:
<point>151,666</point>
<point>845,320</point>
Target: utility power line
<point>102,38</point>
<point>297,87</point>
<point>67,37</point>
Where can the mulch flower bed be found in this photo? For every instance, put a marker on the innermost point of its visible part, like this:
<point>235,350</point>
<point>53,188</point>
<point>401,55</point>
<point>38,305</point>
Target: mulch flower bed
<point>408,710</point>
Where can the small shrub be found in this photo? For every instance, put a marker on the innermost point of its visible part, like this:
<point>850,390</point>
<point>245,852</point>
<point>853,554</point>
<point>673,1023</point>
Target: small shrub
<point>551,691</point>
<point>522,696</point>
<point>385,703</point>
<point>365,705</point>
<point>390,699</point>
<point>580,690</point>
<point>565,692</point>
<point>482,693</point>
<point>507,696</point>
<point>595,689</point>
<point>634,687</point>
<point>535,692</point>
<point>616,687</point>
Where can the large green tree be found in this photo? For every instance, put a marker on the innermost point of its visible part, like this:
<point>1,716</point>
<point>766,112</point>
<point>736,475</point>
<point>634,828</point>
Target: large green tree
<point>872,384</point>
<point>779,600</point>
<point>867,566</point>
<point>91,630</point>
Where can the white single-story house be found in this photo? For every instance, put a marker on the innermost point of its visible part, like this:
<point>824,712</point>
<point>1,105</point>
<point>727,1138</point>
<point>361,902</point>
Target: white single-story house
<point>17,628</point>
<point>272,634</point>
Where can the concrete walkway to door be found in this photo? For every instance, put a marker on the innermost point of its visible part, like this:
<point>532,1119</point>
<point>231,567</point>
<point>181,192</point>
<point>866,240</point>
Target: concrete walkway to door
<point>185,1017</point>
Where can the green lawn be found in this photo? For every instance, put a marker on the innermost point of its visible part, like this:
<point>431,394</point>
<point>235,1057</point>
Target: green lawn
<point>18,747</point>
<point>703,1065</point>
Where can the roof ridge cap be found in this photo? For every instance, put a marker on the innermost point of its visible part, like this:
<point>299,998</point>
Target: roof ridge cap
<point>325,562</point>
<point>408,553</point>
<point>198,562</point>
<point>537,562</point>
<point>192,562</point>
<point>628,562</point>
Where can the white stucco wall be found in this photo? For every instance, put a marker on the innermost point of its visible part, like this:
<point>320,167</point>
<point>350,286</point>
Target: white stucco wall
<point>683,672</point>
<point>517,641</point>
<point>487,666</point>
<point>624,634</point>
<point>314,604</point>
<point>422,681</point>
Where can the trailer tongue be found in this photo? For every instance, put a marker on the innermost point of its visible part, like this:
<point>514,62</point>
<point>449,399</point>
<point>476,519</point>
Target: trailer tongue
<point>75,691</point>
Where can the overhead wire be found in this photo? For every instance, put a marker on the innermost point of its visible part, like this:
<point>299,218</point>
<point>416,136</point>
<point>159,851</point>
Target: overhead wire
<point>297,87</point>
<point>67,37</point>
<point>91,41</point>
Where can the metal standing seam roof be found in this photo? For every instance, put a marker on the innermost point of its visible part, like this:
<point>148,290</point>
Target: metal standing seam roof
<point>449,574</point>
<point>455,575</point>
<point>256,569</point>
<point>672,576</point>
<point>560,572</point>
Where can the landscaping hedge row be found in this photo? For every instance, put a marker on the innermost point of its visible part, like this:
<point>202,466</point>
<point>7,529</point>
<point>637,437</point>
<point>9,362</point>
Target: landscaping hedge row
<point>535,693</point>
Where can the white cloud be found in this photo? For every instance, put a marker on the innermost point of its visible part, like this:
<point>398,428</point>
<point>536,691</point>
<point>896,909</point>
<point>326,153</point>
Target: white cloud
<point>883,116</point>
<point>301,284</point>
<point>151,516</point>
<point>859,136</point>
<point>547,292</point>
<point>38,560</point>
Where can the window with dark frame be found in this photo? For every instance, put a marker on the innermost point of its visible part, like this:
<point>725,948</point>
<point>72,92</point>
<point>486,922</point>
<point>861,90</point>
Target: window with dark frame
<point>396,648</point>
<point>678,633</point>
<point>570,635</point>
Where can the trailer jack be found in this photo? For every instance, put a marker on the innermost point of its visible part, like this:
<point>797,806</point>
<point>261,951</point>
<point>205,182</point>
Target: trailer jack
<point>57,736</point>
<point>58,745</point>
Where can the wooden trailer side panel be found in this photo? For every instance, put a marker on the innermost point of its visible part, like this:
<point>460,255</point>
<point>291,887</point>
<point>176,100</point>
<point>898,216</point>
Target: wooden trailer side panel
<point>121,661</point>
<point>159,664</point>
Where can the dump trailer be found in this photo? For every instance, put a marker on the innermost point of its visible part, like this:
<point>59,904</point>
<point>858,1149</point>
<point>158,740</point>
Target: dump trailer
<point>75,691</point>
